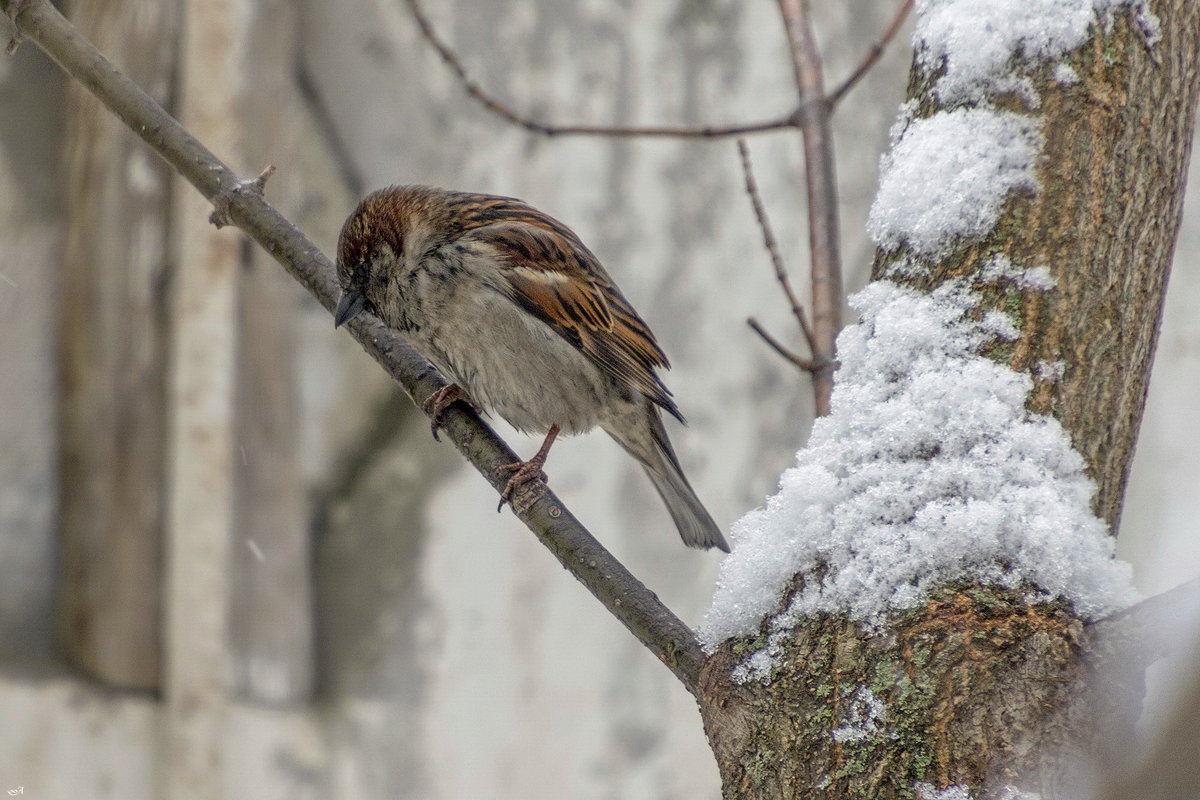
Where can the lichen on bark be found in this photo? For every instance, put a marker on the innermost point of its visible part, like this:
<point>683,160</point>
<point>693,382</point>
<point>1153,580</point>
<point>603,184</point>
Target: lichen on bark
<point>975,685</point>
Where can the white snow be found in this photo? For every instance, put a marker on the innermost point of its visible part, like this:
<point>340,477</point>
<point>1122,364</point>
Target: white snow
<point>1000,268</point>
<point>927,791</point>
<point>1050,370</point>
<point>947,177</point>
<point>928,471</point>
<point>1013,793</point>
<point>956,791</point>
<point>974,41</point>
<point>863,719</point>
<point>1065,74</point>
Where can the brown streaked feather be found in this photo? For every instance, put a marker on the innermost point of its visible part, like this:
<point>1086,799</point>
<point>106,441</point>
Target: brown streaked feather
<point>555,277</point>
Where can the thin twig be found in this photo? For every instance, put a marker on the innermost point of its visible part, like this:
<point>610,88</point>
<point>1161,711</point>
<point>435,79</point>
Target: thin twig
<point>872,55</point>
<point>803,363</point>
<point>502,110</point>
<point>620,592</point>
<point>327,129</point>
<point>764,224</point>
<point>821,185</point>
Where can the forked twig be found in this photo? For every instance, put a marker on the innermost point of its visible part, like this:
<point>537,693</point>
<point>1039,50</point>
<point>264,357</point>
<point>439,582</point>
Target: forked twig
<point>803,363</point>
<point>772,245</point>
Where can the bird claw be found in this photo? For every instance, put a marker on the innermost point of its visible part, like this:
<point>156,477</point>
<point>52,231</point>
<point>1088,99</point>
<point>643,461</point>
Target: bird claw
<point>436,404</point>
<point>523,474</point>
<point>526,472</point>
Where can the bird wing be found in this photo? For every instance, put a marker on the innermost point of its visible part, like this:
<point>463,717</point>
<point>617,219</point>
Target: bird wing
<point>552,275</point>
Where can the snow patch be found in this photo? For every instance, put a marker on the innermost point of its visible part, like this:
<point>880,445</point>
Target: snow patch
<point>1065,74</point>
<point>1001,267</point>
<point>928,471</point>
<point>947,177</point>
<point>1052,371</point>
<point>974,41</point>
<point>863,719</point>
<point>1013,793</point>
<point>927,791</point>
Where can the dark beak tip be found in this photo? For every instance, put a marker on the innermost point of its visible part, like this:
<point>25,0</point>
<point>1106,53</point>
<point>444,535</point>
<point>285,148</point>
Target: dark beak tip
<point>350,305</point>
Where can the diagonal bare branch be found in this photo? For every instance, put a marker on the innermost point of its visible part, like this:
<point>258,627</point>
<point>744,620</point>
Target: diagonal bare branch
<point>322,117</point>
<point>620,592</point>
<point>872,55</point>
<point>798,361</point>
<point>1145,631</point>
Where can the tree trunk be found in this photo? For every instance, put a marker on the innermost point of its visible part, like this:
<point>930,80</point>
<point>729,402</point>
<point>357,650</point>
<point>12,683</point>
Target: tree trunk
<point>113,355</point>
<point>271,611</point>
<point>1112,174</point>
<point>980,689</point>
<point>977,686</point>
<point>204,335</point>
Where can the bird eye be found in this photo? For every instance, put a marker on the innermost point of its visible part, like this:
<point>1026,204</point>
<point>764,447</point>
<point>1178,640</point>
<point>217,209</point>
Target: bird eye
<point>361,274</point>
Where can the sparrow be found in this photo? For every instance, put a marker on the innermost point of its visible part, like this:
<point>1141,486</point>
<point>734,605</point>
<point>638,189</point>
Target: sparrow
<point>521,318</point>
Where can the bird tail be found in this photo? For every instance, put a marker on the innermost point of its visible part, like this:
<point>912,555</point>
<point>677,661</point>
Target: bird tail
<point>657,457</point>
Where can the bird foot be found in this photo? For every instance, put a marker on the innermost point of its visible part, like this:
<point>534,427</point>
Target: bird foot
<point>436,404</point>
<point>525,473</point>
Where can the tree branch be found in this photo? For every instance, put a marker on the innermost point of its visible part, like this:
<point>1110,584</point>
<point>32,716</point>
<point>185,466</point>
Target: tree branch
<point>352,177</point>
<point>621,593</point>
<point>1143,632</point>
<point>769,241</point>
<point>798,361</point>
<point>812,117</point>
<point>872,55</point>
<point>489,102</point>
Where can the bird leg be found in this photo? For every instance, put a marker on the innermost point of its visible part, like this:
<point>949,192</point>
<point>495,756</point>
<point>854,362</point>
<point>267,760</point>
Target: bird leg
<point>524,472</point>
<point>436,404</point>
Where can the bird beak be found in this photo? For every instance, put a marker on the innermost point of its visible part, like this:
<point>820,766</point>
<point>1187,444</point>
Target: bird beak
<point>350,306</point>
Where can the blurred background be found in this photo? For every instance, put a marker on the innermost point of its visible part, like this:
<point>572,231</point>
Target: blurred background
<point>233,562</point>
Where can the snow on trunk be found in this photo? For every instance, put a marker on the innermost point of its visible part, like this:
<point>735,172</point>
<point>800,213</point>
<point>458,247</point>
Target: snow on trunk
<point>930,469</point>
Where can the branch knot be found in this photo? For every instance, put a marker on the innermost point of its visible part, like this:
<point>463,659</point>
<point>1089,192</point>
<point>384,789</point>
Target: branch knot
<point>220,217</point>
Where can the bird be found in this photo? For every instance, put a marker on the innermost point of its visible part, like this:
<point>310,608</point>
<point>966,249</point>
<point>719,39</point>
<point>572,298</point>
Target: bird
<point>523,321</point>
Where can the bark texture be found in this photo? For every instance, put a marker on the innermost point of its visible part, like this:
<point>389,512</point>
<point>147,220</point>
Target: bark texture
<point>980,689</point>
<point>972,690</point>
<point>1104,222</point>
